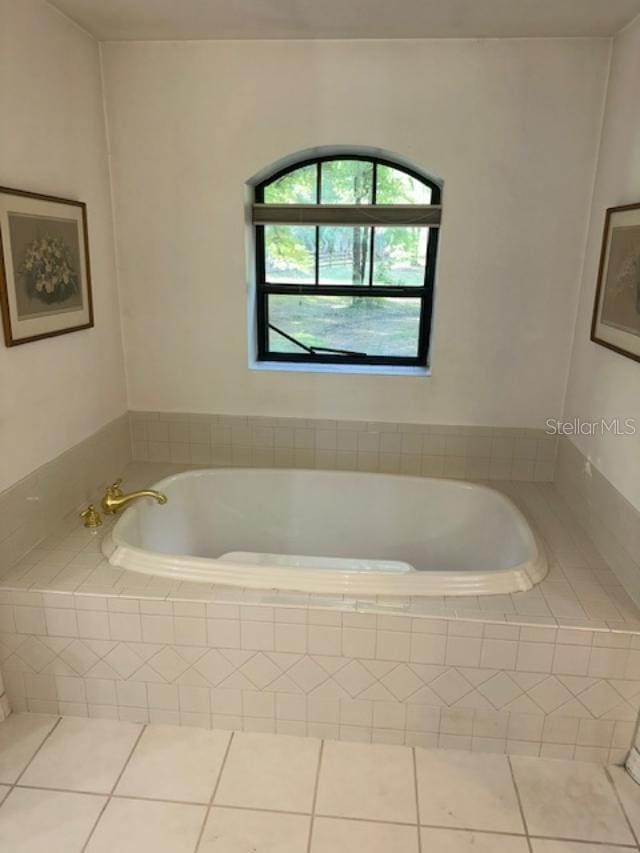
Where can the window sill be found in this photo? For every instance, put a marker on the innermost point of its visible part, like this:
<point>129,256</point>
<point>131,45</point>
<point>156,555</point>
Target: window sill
<point>371,369</point>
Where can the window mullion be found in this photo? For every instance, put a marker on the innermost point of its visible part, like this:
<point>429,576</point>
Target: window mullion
<point>372,240</point>
<point>318,201</point>
<point>392,290</point>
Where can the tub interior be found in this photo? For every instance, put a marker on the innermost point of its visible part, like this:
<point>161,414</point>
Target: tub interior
<point>418,523</point>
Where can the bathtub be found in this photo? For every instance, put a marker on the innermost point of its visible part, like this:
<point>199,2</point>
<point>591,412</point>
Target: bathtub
<point>329,532</point>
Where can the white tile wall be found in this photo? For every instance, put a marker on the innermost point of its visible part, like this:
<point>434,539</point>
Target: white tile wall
<point>42,502</point>
<point>420,449</point>
<point>580,590</point>
<point>611,522</point>
<point>31,509</point>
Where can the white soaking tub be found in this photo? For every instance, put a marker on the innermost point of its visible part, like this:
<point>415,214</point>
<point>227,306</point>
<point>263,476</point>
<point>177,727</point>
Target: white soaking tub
<point>329,532</point>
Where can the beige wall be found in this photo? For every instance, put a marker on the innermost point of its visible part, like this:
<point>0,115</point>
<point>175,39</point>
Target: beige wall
<point>512,128</point>
<point>54,393</point>
<point>4,702</point>
<point>602,383</point>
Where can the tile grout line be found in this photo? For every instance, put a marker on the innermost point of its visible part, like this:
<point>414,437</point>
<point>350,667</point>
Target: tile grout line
<point>61,790</point>
<point>209,806</point>
<point>113,788</point>
<point>520,806</point>
<point>581,841</point>
<point>409,824</point>
<point>417,796</point>
<point>611,781</point>
<point>314,799</point>
<point>30,761</point>
<point>477,830</point>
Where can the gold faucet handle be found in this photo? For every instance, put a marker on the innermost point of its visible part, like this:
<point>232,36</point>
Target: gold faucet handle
<point>91,517</point>
<point>114,489</point>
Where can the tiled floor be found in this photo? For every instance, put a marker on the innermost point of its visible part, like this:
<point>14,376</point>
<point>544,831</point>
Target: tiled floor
<point>74,785</point>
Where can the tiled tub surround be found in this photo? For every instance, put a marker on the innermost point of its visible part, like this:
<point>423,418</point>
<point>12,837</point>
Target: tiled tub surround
<point>34,507</point>
<point>565,692</point>
<point>553,672</point>
<point>611,521</point>
<point>613,524</point>
<point>475,453</point>
<point>579,590</point>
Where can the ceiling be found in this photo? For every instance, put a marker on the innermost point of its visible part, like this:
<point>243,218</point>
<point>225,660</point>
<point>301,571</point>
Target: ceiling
<point>127,20</point>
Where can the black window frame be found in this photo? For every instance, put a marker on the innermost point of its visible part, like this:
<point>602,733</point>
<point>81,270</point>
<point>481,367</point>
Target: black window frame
<point>425,292</point>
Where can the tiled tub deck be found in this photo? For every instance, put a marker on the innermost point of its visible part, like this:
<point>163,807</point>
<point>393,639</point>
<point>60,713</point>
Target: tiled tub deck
<point>552,672</point>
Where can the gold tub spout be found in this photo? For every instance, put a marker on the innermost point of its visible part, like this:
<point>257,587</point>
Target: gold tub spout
<point>114,498</point>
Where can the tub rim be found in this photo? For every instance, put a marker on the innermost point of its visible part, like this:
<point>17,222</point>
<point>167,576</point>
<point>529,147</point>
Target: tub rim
<point>186,568</point>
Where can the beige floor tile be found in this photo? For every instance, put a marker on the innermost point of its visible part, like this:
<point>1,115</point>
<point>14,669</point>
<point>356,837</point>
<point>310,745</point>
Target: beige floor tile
<point>244,831</point>
<point>51,821</point>
<point>466,790</point>
<point>175,763</point>
<point>370,781</point>
<point>457,841</point>
<point>20,736</point>
<point>142,826</point>
<point>568,799</point>
<point>540,846</point>
<point>265,771</point>
<point>629,793</point>
<point>83,755</point>
<point>338,835</point>
<point>4,790</point>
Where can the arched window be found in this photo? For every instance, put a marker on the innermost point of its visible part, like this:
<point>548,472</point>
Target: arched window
<point>345,262</point>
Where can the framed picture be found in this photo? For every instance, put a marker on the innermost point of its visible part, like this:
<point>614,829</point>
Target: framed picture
<point>616,312</point>
<point>45,282</point>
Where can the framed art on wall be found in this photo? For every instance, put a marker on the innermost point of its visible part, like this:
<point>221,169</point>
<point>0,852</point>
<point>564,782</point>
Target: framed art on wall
<point>45,280</point>
<point>616,311</point>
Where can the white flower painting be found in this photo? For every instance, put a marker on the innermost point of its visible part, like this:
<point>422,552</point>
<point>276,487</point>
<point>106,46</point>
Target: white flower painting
<point>48,270</point>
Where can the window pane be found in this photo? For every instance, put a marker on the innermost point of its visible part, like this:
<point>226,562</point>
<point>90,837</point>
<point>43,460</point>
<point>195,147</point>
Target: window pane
<point>396,187</point>
<point>344,255</point>
<point>290,253</point>
<point>369,325</point>
<point>399,256</point>
<point>346,182</point>
<point>299,187</point>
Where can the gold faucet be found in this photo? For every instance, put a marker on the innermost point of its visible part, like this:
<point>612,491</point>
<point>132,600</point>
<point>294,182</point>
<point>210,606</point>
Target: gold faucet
<point>114,498</point>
